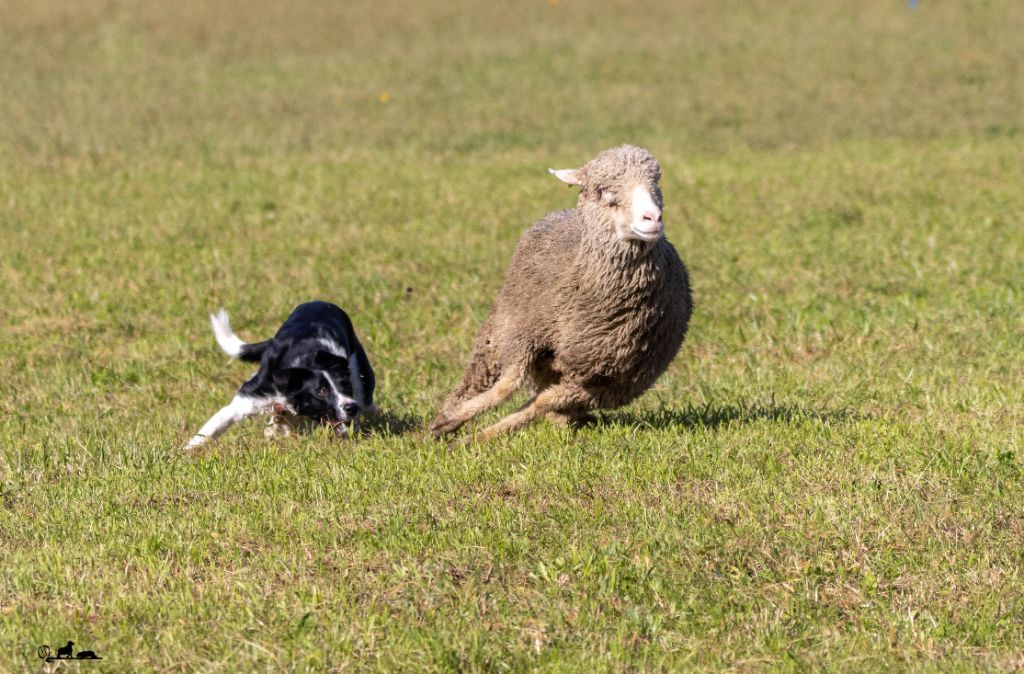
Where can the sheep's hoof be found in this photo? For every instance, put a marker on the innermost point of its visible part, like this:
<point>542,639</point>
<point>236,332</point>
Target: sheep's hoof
<point>442,426</point>
<point>459,443</point>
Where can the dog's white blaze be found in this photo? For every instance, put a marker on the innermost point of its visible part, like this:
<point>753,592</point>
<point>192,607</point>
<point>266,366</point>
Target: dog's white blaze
<point>226,337</point>
<point>333,347</point>
<point>339,400</point>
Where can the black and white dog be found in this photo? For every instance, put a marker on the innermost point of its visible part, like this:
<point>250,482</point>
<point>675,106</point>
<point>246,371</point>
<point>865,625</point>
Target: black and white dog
<point>313,371</point>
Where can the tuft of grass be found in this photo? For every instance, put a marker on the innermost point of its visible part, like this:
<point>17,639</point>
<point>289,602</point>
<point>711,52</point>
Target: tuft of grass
<point>828,478</point>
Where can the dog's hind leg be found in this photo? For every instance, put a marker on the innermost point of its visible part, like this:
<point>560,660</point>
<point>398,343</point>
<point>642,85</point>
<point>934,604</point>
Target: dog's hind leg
<point>238,409</point>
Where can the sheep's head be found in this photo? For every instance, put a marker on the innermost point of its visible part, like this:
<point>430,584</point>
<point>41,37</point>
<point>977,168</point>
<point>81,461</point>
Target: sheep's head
<point>622,184</point>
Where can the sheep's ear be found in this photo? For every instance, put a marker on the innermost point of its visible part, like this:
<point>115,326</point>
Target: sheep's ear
<point>569,176</point>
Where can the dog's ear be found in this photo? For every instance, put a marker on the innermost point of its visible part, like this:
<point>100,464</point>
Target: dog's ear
<point>327,360</point>
<point>291,378</point>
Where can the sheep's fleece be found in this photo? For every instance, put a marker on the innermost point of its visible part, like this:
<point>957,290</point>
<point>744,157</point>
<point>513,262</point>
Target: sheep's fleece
<point>588,317</point>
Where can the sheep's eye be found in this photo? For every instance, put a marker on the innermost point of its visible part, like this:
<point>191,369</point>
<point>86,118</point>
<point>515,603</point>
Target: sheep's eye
<point>321,392</point>
<point>608,197</point>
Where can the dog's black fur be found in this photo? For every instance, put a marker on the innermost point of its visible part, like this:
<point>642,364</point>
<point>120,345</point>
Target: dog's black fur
<point>314,368</point>
<point>295,364</point>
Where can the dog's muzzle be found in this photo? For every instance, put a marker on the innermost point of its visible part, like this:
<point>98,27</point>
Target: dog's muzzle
<point>341,428</point>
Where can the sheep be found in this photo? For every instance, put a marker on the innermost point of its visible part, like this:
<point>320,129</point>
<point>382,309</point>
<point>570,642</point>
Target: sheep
<point>594,306</point>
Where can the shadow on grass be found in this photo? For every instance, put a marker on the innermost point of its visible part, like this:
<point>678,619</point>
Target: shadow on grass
<point>710,416</point>
<point>713,416</point>
<point>387,423</point>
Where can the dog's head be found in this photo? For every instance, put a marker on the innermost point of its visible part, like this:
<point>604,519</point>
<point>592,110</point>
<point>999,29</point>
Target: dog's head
<point>320,388</point>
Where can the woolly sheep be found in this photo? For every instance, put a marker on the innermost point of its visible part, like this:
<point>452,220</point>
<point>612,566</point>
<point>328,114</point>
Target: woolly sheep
<point>593,308</point>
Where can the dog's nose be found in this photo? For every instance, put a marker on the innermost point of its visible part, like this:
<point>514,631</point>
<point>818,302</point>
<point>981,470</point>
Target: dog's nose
<point>350,409</point>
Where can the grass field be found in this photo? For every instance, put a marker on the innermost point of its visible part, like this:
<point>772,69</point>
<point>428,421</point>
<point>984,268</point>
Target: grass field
<point>830,476</point>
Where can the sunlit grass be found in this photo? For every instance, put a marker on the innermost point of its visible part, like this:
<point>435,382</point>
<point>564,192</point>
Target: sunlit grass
<point>829,476</point>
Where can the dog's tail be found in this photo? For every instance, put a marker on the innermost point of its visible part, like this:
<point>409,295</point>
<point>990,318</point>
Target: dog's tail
<point>230,342</point>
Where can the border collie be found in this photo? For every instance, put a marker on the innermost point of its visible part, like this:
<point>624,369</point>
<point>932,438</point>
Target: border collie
<point>314,371</point>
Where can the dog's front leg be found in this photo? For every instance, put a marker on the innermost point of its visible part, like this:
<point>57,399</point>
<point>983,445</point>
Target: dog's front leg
<point>238,409</point>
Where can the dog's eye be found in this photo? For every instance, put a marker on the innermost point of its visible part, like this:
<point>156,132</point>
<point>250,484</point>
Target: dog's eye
<point>321,392</point>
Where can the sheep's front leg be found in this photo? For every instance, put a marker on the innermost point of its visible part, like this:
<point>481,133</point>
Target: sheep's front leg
<point>548,401</point>
<point>238,409</point>
<point>449,421</point>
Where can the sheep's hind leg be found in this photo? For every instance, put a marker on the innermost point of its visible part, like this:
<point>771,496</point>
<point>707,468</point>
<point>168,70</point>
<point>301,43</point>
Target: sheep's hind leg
<point>550,400</point>
<point>574,419</point>
<point>450,421</point>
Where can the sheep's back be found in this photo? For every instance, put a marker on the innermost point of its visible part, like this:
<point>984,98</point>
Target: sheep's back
<point>545,253</point>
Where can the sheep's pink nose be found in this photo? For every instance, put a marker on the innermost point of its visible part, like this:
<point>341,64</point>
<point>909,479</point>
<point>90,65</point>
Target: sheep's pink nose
<point>651,216</point>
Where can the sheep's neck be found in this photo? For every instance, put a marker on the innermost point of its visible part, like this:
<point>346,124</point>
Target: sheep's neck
<point>614,264</point>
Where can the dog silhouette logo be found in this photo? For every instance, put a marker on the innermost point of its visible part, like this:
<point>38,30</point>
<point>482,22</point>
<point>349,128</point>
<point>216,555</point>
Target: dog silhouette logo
<point>65,652</point>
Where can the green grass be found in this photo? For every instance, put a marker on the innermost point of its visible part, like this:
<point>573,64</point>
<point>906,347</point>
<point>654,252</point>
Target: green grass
<point>828,478</point>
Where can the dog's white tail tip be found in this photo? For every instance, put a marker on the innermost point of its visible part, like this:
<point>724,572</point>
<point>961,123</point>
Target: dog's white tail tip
<point>225,336</point>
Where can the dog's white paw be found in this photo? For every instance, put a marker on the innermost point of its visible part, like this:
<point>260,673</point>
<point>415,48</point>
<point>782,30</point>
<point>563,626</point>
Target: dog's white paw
<point>196,441</point>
